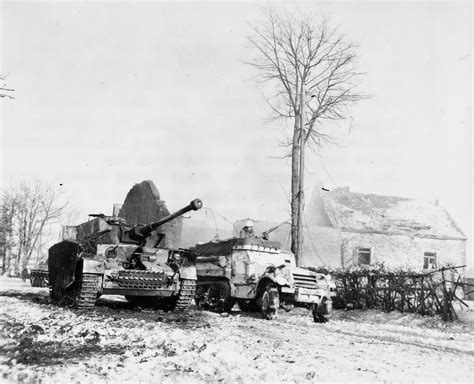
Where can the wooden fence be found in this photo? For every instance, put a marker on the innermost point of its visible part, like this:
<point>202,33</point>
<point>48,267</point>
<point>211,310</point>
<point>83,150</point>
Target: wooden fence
<point>428,293</point>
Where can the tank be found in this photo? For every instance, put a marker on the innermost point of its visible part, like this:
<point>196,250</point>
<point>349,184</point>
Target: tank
<point>110,256</point>
<point>39,275</point>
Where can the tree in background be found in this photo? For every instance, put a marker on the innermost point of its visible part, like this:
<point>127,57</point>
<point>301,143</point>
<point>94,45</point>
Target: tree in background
<point>7,240</point>
<point>310,71</point>
<point>27,211</point>
<point>4,91</point>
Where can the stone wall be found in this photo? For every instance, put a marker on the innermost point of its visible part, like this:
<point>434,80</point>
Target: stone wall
<point>401,251</point>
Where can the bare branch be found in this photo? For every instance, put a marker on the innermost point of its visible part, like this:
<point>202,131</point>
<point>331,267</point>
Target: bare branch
<point>312,70</point>
<point>4,90</point>
<point>27,211</point>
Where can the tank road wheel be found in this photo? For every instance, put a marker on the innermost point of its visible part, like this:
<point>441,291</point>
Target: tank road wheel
<point>322,312</point>
<point>219,296</point>
<point>185,296</point>
<point>269,302</point>
<point>200,296</point>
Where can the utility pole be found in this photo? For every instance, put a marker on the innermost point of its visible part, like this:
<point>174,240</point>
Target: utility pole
<point>300,200</point>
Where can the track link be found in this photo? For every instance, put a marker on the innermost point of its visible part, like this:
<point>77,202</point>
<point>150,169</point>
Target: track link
<point>186,294</point>
<point>87,294</point>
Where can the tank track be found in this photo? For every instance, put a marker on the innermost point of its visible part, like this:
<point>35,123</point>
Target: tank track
<point>87,295</point>
<point>186,294</point>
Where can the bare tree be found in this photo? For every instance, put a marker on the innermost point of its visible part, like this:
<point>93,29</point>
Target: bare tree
<point>311,71</point>
<point>8,208</point>
<point>4,91</point>
<point>27,210</point>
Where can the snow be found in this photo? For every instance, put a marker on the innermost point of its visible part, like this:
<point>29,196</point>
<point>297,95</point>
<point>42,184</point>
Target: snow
<point>114,343</point>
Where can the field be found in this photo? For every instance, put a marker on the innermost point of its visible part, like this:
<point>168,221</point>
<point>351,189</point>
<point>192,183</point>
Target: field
<point>115,343</point>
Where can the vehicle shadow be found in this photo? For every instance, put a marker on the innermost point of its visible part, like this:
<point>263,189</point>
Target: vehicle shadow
<point>41,297</point>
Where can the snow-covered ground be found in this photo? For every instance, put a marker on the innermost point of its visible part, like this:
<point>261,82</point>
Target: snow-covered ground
<point>41,343</point>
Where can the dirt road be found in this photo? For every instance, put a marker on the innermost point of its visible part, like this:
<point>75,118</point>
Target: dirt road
<point>115,343</point>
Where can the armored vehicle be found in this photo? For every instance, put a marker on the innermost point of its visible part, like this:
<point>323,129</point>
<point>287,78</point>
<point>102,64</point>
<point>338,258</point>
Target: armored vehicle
<point>39,275</point>
<point>110,256</point>
<point>256,274</point>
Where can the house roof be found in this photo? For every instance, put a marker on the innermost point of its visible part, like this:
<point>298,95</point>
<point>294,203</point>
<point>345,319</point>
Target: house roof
<point>361,212</point>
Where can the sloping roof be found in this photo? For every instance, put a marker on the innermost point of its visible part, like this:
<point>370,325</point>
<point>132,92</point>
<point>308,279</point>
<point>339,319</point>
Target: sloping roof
<point>361,212</point>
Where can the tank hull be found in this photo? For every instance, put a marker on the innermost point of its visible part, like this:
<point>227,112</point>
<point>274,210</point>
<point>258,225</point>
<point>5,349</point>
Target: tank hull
<point>110,256</point>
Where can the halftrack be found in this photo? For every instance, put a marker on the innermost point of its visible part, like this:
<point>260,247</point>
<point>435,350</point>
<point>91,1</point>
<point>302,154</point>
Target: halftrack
<point>254,273</point>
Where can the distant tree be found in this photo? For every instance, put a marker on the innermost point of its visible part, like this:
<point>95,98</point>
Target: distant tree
<point>8,208</point>
<point>27,210</point>
<point>4,91</point>
<point>311,70</point>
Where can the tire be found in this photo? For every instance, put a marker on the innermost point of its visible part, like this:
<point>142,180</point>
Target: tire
<point>269,302</point>
<point>322,313</point>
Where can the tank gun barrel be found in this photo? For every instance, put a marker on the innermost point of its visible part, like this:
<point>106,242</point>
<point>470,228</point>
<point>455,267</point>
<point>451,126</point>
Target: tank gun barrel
<point>149,228</point>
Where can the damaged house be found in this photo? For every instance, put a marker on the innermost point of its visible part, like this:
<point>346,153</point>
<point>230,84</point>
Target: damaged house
<point>396,231</point>
<point>347,229</point>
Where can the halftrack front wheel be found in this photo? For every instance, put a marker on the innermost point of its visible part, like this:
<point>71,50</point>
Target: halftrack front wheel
<point>269,302</point>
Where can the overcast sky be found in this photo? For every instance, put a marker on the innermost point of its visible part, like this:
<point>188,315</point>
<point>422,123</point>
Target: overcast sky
<point>109,94</point>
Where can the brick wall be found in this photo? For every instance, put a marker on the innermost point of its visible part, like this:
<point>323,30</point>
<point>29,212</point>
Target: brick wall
<point>401,251</point>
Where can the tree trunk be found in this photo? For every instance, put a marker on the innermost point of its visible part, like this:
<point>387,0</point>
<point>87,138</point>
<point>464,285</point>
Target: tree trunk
<point>299,255</point>
<point>17,260</point>
<point>301,145</point>
<point>295,161</point>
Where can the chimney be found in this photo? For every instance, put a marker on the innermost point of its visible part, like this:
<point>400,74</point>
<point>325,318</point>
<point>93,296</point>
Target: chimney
<point>116,209</point>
